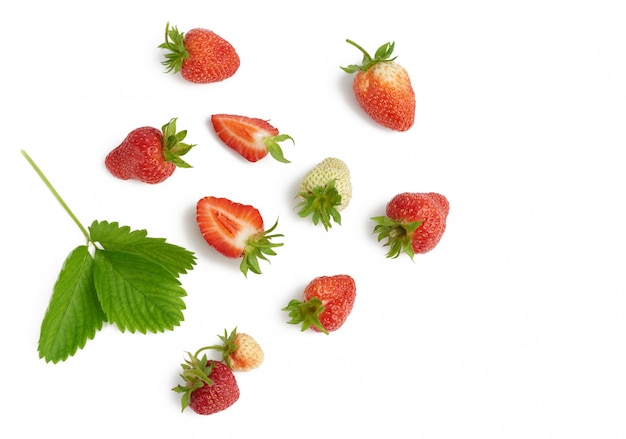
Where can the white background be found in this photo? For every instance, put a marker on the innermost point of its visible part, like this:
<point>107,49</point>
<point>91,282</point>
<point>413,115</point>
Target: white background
<point>513,327</point>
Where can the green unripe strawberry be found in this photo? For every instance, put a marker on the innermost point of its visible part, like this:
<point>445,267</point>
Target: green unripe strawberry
<point>325,191</point>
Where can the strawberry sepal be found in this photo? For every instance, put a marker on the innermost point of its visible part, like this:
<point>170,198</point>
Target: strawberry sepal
<point>321,204</point>
<point>271,143</point>
<point>399,235</point>
<point>173,145</point>
<point>383,54</point>
<point>306,313</point>
<point>259,246</point>
<point>174,43</point>
<point>196,371</point>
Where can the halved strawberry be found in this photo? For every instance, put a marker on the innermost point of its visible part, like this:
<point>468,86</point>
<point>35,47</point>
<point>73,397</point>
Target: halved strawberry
<point>251,137</point>
<point>236,230</point>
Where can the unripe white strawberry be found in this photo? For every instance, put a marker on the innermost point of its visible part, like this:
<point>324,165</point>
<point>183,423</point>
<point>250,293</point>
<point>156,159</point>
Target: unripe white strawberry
<point>248,355</point>
<point>240,351</point>
<point>325,191</point>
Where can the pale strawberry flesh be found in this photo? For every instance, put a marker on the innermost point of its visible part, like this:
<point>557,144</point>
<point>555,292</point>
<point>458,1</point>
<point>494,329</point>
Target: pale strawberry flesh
<point>244,134</point>
<point>226,225</point>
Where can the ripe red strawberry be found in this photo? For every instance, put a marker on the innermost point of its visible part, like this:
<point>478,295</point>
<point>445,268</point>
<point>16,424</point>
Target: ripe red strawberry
<point>149,155</point>
<point>326,303</point>
<point>210,386</point>
<point>414,223</point>
<point>236,231</point>
<point>200,55</point>
<point>250,137</point>
<point>240,351</point>
<point>383,88</point>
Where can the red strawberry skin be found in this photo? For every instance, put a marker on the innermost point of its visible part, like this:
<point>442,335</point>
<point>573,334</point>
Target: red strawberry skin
<point>383,88</point>
<point>431,208</point>
<point>337,293</point>
<point>211,57</point>
<point>385,93</point>
<point>140,157</point>
<point>224,392</point>
<point>236,230</point>
<point>244,134</point>
<point>226,225</point>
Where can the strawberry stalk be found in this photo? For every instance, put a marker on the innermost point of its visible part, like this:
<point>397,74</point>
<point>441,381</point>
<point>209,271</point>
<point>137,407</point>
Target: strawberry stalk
<point>227,347</point>
<point>56,195</point>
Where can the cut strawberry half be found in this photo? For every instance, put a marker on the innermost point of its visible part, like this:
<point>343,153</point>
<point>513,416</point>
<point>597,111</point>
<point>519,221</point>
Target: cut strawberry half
<point>236,231</point>
<point>252,138</point>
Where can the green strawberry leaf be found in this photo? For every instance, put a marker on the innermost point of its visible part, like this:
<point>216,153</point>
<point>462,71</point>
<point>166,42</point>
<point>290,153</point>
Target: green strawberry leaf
<point>74,314</point>
<point>131,280</point>
<point>136,293</point>
<point>111,236</point>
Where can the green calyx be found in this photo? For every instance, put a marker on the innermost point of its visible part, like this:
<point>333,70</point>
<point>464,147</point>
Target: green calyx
<point>306,313</point>
<point>383,54</point>
<point>271,143</point>
<point>196,372</point>
<point>399,235</point>
<point>173,146</point>
<point>174,43</point>
<point>227,347</point>
<point>259,246</point>
<point>321,204</point>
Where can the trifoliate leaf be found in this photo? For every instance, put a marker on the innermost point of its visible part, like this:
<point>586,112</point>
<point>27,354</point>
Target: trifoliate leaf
<point>111,236</point>
<point>74,313</point>
<point>136,293</point>
<point>131,281</point>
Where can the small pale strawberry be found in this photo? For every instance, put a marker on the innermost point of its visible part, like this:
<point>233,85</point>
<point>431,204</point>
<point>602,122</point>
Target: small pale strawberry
<point>240,351</point>
<point>325,191</point>
<point>383,88</point>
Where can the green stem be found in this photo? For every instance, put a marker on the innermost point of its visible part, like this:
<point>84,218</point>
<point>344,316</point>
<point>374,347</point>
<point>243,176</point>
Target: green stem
<point>360,48</point>
<point>56,194</point>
